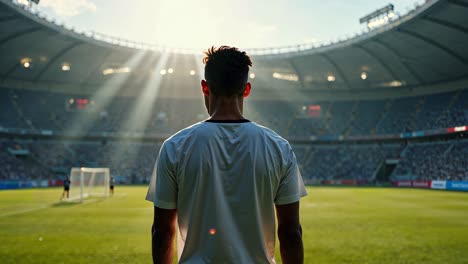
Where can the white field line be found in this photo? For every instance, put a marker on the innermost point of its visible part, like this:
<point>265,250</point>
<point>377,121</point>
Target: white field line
<point>29,210</point>
<point>24,211</point>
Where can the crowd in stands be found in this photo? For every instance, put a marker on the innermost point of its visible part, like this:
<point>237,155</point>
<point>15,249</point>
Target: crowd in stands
<point>434,161</point>
<point>130,161</point>
<point>347,161</point>
<point>20,167</point>
<point>133,162</point>
<point>22,109</point>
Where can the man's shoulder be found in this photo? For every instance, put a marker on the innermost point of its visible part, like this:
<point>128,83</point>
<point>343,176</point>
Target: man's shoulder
<point>202,129</point>
<point>182,134</point>
<point>271,134</point>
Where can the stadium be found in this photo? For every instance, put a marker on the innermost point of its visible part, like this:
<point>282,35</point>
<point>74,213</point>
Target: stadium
<point>378,122</point>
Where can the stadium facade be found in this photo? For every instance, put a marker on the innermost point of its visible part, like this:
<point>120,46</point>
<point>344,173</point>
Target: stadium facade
<point>388,104</point>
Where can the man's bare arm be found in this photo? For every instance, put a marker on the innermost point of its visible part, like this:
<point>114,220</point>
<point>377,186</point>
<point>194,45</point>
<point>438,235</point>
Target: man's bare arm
<point>163,232</point>
<point>290,233</point>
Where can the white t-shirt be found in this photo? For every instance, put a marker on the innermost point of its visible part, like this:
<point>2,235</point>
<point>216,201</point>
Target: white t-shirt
<point>224,179</point>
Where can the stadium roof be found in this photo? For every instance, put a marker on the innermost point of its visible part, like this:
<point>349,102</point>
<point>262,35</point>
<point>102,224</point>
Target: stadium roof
<point>425,48</point>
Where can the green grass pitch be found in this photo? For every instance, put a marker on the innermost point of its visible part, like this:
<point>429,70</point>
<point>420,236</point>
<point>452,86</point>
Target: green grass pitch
<point>340,225</point>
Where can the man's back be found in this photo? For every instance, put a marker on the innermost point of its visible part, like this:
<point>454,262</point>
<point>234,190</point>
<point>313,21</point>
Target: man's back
<point>222,180</point>
<point>225,178</point>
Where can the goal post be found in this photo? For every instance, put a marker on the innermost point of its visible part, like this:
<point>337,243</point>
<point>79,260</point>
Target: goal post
<point>86,182</point>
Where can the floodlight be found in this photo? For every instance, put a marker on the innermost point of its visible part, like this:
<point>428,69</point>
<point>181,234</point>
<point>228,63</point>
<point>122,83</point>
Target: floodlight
<point>388,9</point>
<point>252,75</point>
<point>66,67</point>
<point>394,83</point>
<point>286,76</point>
<point>363,75</point>
<point>116,70</point>
<point>108,71</point>
<point>331,78</point>
<point>26,62</point>
<point>24,2</point>
<point>378,17</point>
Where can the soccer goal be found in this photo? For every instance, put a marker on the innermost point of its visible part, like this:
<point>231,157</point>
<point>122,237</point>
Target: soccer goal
<point>86,182</point>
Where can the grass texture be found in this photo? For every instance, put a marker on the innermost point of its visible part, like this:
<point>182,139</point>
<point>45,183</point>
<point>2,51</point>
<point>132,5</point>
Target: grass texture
<point>340,225</point>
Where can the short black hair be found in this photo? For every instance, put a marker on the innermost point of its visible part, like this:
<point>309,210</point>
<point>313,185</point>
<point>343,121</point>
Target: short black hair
<point>226,70</point>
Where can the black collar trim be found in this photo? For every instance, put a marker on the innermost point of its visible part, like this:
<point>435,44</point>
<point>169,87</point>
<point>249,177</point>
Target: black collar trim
<point>227,121</point>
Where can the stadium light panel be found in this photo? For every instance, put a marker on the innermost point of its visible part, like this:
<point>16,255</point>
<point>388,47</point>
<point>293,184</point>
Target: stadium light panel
<point>286,76</point>
<point>26,62</point>
<point>24,2</point>
<point>376,23</point>
<point>395,83</point>
<point>66,67</point>
<point>331,78</point>
<point>170,70</point>
<point>116,70</point>
<point>377,13</point>
<point>252,75</point>
<point>192,72</point>
<point>363,75</point>
<point>108,71</point>
<point>163,71</point>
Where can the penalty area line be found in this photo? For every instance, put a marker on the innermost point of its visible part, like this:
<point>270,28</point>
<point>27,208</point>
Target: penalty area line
<point>30,210</point>
<point>23,211</point>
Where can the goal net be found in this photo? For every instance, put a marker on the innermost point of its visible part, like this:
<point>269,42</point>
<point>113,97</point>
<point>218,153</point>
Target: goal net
<point>86,182</point>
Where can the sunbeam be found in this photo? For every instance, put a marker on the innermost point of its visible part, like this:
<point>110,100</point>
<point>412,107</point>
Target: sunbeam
<point>137,120</point>
<point>103,98</point>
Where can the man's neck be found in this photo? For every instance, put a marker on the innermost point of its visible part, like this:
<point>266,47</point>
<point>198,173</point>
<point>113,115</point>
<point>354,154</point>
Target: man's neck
<point>226,109</point>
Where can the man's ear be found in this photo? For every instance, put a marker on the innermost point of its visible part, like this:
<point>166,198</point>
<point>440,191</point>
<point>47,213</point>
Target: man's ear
<point>205,89</point>
<point>248,86</point>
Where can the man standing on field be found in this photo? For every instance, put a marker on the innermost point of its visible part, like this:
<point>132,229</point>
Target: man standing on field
<point>111,185</point>
<point>221,180</point>
<point>66,188</point>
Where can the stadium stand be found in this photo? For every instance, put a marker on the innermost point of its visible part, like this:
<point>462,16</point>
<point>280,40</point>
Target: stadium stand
<point>23,109</point>
<point>367,116</point>
<point>129,162</point>
<point>434,161</point>
<point>45,110</point>
<point>354,162</point>
<point>342,126</point>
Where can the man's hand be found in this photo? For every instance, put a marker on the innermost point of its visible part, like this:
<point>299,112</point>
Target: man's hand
<point>163,232</point>
<point>290,233</point>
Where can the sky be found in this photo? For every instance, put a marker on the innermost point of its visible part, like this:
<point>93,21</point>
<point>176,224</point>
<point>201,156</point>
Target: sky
<point>203,23</point>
